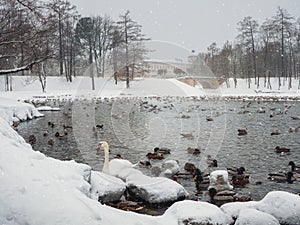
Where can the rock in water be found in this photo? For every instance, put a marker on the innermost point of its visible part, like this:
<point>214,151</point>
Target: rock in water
<point>153,190</point>
<point>106,188</point>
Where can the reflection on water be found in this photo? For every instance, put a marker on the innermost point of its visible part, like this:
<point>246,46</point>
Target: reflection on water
<point>134,127</point>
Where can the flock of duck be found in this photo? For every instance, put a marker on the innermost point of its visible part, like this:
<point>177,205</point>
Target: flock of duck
<point>171,170</point>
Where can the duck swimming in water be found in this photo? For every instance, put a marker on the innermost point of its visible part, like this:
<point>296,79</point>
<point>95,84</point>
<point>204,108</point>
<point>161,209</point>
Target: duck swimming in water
<point>162,150</point>
<point>155,155</point>
<point>242,132</point>
<point>282,177</point>
<point>240,179</point>
<point>281,149</point>
<point>294,167</point>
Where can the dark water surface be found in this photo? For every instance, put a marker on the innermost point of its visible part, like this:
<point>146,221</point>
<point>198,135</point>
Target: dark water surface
<point>133,127</point>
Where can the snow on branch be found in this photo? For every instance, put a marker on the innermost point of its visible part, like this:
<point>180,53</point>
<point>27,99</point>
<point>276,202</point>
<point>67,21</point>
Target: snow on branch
<point>22,68</point>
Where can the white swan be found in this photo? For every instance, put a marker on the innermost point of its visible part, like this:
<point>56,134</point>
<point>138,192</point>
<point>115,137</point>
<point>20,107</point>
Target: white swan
<point>114,166</point>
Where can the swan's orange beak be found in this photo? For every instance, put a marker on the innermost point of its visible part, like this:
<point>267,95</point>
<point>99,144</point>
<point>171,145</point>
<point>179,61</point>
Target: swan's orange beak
<point>98,147</point>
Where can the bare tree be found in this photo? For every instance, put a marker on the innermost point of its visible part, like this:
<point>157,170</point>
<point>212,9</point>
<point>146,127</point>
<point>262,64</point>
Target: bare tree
<point>132,32</point>
<point>65,17</point>
<point>25,27</point>
<point>249,29</point>
<point>103,29</point>
<point>85,41</point>
<point>116,41</point>
<point>283,26</point>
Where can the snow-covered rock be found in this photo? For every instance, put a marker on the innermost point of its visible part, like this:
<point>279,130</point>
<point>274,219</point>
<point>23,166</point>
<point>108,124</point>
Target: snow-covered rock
<point>255,217</point>
<point>233,209</point>
<point>193,212</point>
<point>106,188</point>
<point>169,168</point>
<point>284,206</point>
<point>153,189</point>
<point>218,179</point>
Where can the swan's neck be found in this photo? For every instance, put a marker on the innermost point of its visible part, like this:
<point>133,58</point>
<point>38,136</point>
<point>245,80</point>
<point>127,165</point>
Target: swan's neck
<point>106,160</point>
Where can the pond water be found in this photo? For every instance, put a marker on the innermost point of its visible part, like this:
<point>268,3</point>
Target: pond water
<point>133,127</point>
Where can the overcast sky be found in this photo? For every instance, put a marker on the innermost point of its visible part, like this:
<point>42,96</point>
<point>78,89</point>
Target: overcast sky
<point>188,25</point>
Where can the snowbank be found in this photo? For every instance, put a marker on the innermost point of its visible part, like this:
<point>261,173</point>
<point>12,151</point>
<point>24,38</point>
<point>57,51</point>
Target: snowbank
<point>12,111</point>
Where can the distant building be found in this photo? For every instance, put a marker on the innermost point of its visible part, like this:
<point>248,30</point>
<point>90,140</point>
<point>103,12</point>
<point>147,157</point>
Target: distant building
<point>164,68</point>
<point>194,66</point>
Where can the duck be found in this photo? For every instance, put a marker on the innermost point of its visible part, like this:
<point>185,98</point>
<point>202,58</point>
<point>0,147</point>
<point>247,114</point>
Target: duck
<point>189,136</point>
<point>145,163</point>
<point>183,116</point>
<point>67,127</point>
<point>295,117</point>
<point>126,206</point>
<point>238,171</point>
<point>211,162</point>
<point>282,177</point>
<point>114,166</point>
<point>190,167</point>
<point>220,197</point>
<point>51,142</point>
<point>155,155</point>
<point>194,151</point>
<point>162,150</point>
<point>261,110</point>
<point>50,124</point>
<point>57,134</point>
<point>239,180</point>
<point>294,167</point>
<point>232,170</point>
<point>275,132</point>
<point>198,178</point>
<point>242,198</point>
<point>294,129</point>
<point>32,139</point>
<point>242,132</point>
<point>281,149</point>
<point>118,156</point>
<point>99,126</point>
<point>209,118</point>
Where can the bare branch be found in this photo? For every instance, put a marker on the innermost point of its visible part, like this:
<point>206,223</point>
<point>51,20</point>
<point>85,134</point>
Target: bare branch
<point>22,68</point>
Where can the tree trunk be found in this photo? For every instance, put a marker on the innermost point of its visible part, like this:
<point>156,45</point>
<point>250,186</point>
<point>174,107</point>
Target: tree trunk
<point>91,68</point>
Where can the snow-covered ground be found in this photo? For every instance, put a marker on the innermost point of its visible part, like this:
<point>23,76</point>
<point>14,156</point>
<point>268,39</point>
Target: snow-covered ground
<point>36,189</point>
<point>57,87</point>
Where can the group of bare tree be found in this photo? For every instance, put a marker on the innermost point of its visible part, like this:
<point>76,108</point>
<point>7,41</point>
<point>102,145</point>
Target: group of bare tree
<point>271,49</point>
<point>50,37</point>
<point>102,39</point>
